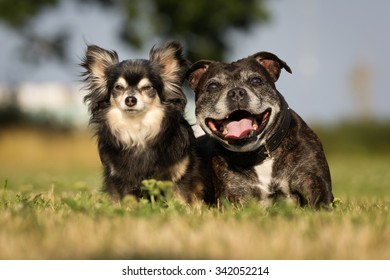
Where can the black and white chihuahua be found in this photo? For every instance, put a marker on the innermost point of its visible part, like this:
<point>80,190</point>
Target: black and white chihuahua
<point>137,111</point>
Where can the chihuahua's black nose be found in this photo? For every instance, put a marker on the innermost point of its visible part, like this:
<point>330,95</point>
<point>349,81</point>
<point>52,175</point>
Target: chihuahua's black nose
<point>237,94</point>
<point>130,101</point>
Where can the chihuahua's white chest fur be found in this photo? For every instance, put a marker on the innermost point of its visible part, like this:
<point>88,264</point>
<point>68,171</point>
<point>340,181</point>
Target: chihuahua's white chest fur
<point>133,130</point>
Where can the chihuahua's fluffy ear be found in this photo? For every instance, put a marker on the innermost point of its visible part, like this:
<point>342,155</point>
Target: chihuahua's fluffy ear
<point>173,67</point>
<point>96,62</point>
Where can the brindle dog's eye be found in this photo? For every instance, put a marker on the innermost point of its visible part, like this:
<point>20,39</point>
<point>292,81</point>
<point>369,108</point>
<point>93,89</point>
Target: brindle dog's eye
<point>118,87</point>
<point>255,81</point>
<point>213,86</point>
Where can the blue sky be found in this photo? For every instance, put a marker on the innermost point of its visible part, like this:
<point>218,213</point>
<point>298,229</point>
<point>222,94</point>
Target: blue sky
<point>324,42</point>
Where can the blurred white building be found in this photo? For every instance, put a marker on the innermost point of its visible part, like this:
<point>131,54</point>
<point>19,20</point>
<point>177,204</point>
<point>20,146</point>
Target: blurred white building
<point>63,103</point>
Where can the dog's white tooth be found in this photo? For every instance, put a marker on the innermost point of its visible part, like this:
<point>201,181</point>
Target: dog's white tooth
<point>255,124</point>
<point>225,130</point>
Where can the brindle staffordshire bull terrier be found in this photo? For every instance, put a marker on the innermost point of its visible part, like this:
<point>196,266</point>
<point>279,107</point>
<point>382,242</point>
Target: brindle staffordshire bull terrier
<point>255,145</point>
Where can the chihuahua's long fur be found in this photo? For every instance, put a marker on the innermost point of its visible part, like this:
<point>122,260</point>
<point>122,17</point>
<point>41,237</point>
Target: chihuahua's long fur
<point>137,112</point>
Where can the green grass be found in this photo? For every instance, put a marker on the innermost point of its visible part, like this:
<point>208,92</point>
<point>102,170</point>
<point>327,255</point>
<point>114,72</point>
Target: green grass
<point>51,207</point>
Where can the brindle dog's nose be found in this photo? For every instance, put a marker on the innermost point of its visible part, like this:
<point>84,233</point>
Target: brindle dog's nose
<point>130,101</point>
<point>237,94</point>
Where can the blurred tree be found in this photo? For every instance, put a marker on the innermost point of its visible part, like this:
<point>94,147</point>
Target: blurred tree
<point>18,15</point>
<point>202,25</point>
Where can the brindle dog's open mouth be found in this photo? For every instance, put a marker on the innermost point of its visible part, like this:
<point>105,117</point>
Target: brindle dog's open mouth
<point>239,125</point>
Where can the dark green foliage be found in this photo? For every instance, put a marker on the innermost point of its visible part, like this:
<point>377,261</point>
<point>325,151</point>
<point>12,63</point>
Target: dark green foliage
<point>201,25</point>
<point>17,13</point>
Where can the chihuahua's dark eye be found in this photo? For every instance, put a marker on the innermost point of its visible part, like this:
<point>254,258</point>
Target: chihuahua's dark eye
<point>146,88</point>
<point>118,87</point>
<point>255,81</point>
<point>213,86</point>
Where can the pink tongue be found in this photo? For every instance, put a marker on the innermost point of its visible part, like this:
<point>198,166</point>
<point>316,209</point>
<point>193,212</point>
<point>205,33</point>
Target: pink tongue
<point>237,129</point>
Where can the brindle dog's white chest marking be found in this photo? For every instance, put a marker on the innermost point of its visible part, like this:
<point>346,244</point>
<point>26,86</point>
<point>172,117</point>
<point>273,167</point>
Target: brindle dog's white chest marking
<point>264,173</point>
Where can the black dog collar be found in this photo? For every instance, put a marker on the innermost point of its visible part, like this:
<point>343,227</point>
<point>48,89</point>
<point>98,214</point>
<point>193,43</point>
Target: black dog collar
<point>274,141</point>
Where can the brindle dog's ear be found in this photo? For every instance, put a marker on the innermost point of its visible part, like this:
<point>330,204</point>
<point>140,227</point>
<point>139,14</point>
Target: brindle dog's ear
<point>196,71</point>
<point>271,63</point>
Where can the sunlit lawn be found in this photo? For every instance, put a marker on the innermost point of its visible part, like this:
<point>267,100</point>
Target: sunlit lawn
<point>51,208</point>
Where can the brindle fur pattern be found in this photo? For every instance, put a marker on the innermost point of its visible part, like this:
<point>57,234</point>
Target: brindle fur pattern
<point>296,170</point>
